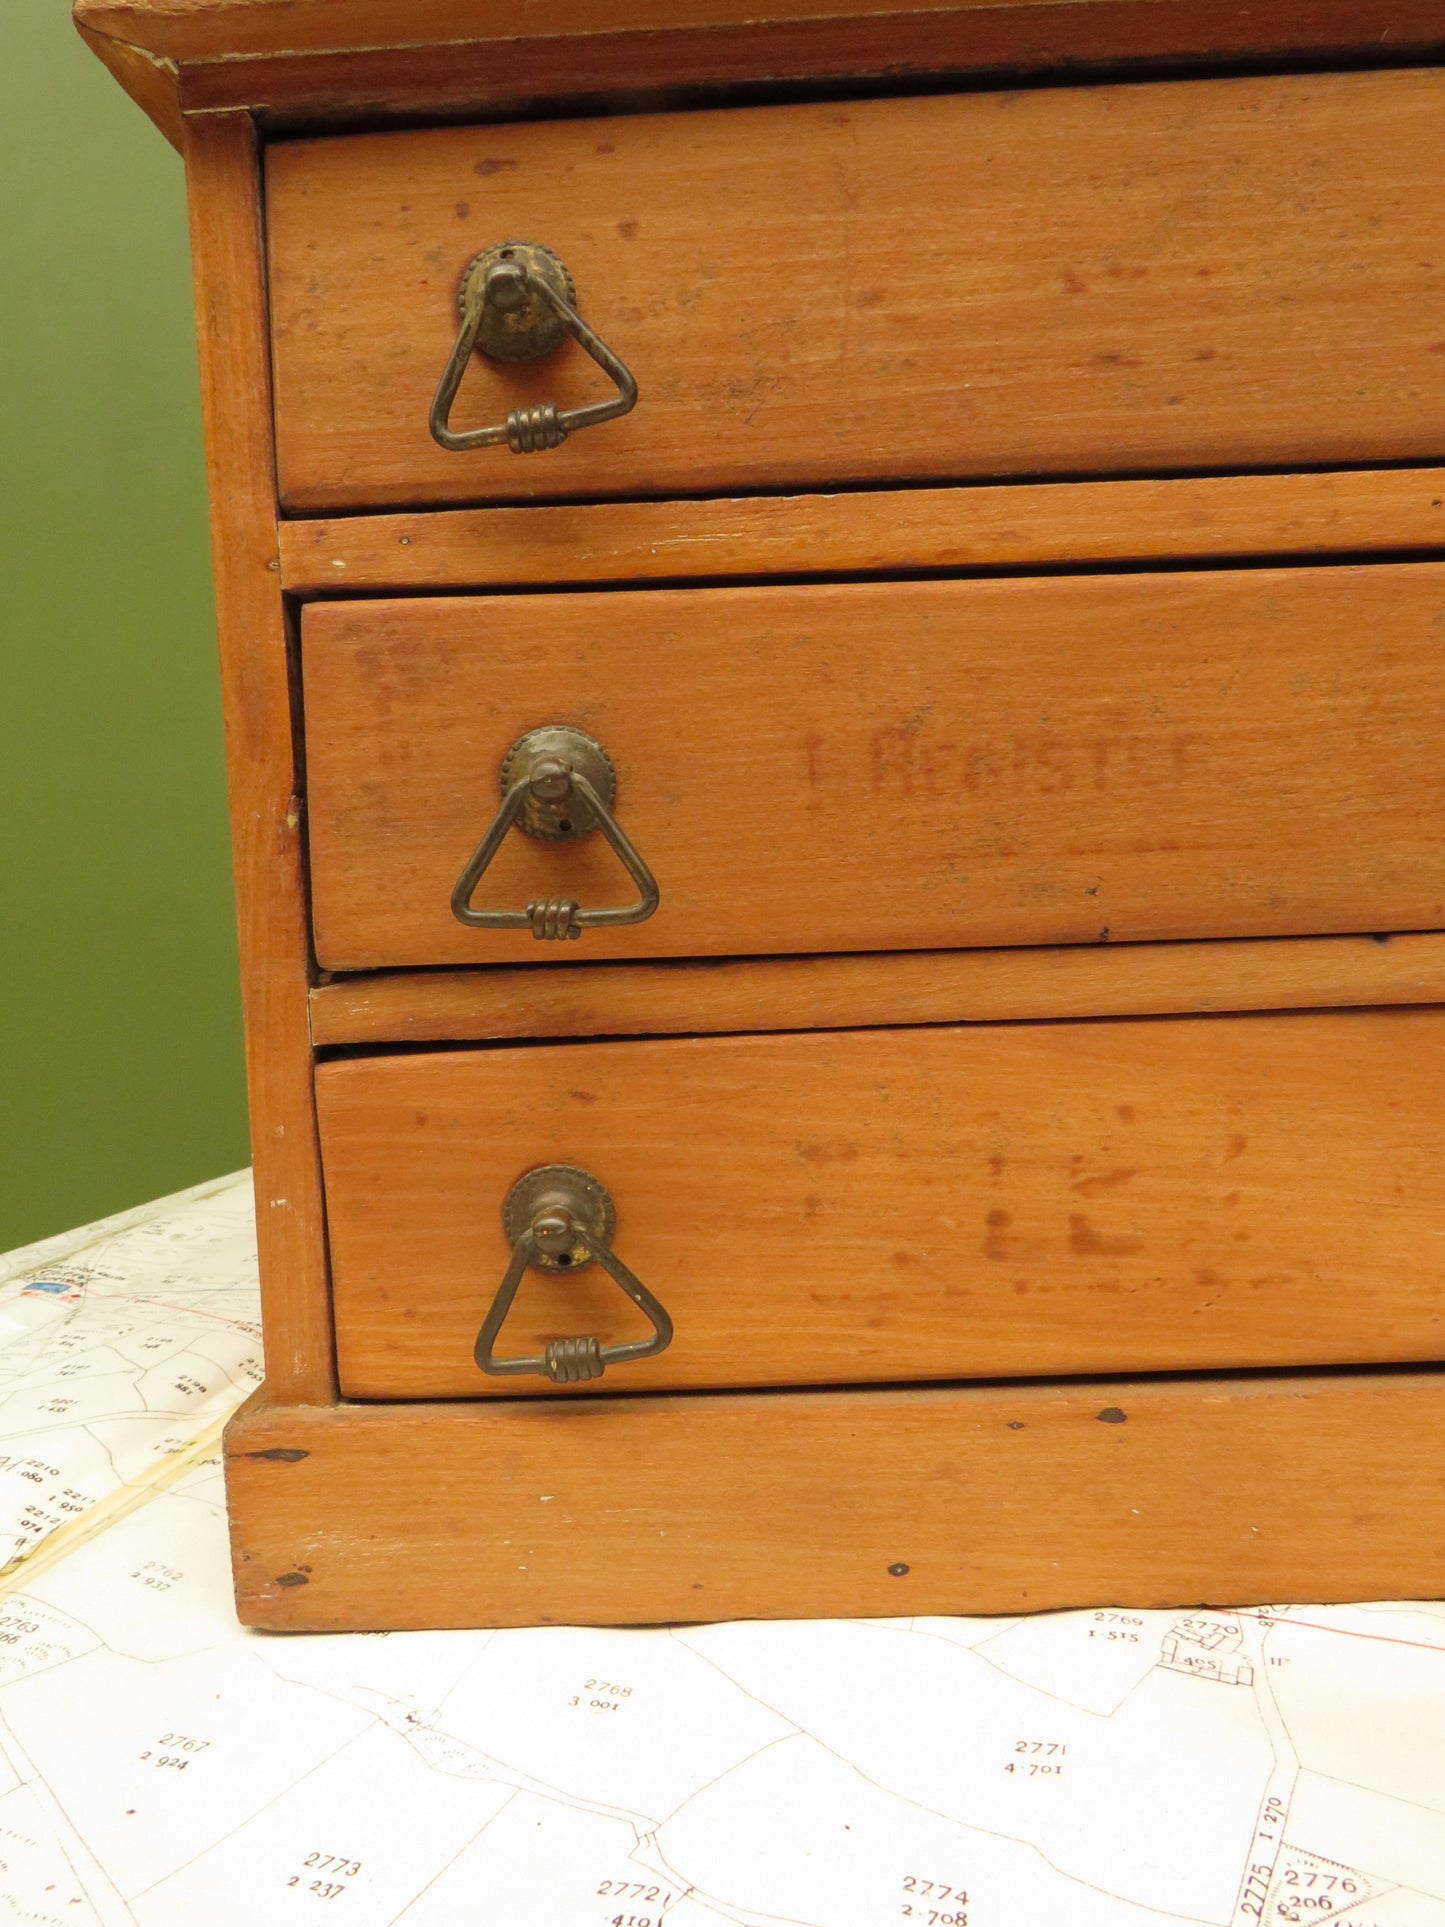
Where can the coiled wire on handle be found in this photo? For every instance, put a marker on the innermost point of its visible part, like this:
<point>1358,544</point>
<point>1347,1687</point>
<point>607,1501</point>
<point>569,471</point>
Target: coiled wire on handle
<point>569,1360</point>
<point>530,430</point>
<point>554,917</point>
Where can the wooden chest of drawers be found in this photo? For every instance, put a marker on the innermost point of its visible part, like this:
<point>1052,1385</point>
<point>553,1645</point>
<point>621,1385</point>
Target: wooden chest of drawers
<point>953,688</point>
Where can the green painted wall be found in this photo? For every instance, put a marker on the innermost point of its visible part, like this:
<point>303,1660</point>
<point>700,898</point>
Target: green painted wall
<point>120,1054</point>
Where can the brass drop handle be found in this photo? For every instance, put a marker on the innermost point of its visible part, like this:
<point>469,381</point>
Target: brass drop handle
<point>517,303</point>
<point>557,784</point>
<point>560,1218</point>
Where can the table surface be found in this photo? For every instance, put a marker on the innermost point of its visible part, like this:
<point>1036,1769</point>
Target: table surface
<point>159,1765</point>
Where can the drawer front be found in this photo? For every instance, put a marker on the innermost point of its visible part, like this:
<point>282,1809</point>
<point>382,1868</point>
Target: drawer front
<point>898,1205</point>
<point>912,765</point>
<point>1192,274</point>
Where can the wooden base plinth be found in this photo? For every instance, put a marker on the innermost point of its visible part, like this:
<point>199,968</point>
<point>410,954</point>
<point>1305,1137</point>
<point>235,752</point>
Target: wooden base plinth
<point>977,1499</point>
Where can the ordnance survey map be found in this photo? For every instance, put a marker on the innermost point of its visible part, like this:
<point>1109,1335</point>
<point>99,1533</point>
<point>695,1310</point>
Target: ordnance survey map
<point>159,1766</point>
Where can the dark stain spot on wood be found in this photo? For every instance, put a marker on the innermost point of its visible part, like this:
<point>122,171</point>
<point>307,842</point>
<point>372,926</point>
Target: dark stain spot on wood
<point>1238,1144</point>
<point>1090,1243</point>
<point>995,1166</point>
<point>1125,1113</point>
<point>1111,1415</point>
<point>1073,283</point>
<point>606,147</point>
<point>998,1217</point>
<point>900,1571</point>
<point>483,168</point>
<point>1104,934</point>
<point>903,1259</point>
<point>995,1244</point>
<point>628,230</point>
<point>1016,1425</point>
<point>1206,354</point>
<point>812,1205</point>
<point>1021,1289</point>
<point>584,1097</point>
<point>292,1579</point>
<point>286,1454</point>
<point>464,208</point>
<point>1383,936</point>
<point>1105,1181</point>
<point>827,1151</point>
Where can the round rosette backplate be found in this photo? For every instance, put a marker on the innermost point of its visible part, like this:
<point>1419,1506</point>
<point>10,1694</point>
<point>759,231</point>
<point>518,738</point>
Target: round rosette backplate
<point>553,1187</point>
<point>533,327</point>
<point>559,820</point>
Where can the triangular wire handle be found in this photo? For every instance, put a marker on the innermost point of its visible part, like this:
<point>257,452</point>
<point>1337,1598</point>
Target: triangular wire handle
<point>549,1239</point>
<point>554,782</point>
<point>507,284</point>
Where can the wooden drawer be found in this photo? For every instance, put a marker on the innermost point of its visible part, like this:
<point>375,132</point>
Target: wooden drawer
<point>1190,274</point>
<point>902,765</point>
<point>907,1204</point>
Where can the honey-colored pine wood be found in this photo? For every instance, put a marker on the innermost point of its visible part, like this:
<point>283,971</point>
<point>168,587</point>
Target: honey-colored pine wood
<point>1283,227</point>
<point>197,30</point>
<point>1115,1196</point>
<point>905,987</point>
<point>303,64</point>
<point>1198,274</point>
<point>991,1499</point>
<point>1352,510</point>
<point>266,837</point>
<point>495,77</point>
<point>910,765</point>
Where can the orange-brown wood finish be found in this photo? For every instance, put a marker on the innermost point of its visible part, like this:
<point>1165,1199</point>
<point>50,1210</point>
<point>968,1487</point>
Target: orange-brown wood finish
<point>316,62</point>
<point>906,765</point>
<point>908,1204</point>
<point>1198,274</point>
<point>266,836</point>
<point>673,66</point>
<point>870,531</point>
<point>908,987</point>
<point>199,30</point>
<point>995,1499</point>
<point>923,804</point>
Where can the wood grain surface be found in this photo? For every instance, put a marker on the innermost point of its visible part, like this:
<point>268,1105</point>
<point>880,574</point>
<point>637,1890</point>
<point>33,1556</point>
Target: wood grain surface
<point>904,987</point>
<point>261,757</point>
<point>870,530</point>
<point>894,765</point>
<point>484,78</point>
<point>203,30</point>
<point>1197,274</point>
<point>990,1499</point>
<point>1114,1196</point>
